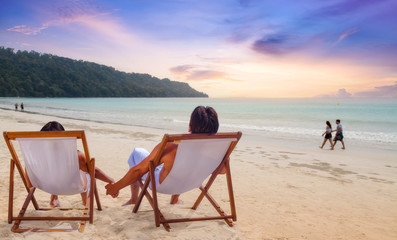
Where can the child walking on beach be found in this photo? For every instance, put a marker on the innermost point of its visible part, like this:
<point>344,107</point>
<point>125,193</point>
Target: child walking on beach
<point>328,135</point>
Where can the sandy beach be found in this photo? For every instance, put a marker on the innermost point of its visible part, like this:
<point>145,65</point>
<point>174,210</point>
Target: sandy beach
<point>283,190</point>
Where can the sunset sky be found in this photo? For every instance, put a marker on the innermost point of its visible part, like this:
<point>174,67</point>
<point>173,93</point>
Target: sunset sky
<point>269,49</point>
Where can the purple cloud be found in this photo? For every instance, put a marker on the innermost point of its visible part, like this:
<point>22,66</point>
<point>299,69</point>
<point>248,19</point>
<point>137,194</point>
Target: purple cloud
<point>68,12</point>
<point>181,69</point>
<point>244,3</point>
<point>347,33</point>
<point>343,7</point>
<point>27,30</point>
<point>342,93</point>
<point>273,44</point>
<point>389,91</point>
<point>199,73</point>
<point>205,75</point>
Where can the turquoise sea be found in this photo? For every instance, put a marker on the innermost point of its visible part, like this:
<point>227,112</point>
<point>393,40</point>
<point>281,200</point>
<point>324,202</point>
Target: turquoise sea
<point>364,120</point>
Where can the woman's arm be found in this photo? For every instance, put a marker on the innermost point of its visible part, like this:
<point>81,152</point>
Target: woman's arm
<point>99,174</point>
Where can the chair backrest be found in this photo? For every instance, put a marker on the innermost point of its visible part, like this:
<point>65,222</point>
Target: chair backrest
<point>52,164</point>
<point>195,160</point>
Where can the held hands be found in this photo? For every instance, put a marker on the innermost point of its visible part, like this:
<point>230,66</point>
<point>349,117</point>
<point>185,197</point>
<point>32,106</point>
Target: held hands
<point>110,190</point>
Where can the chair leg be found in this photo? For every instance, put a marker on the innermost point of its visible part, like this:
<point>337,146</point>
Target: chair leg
<point>216,206</point>
<point>25,205</point>
<point>154,193</point>
<point>162,219</point>
<point>85,214</point>
<point>230,190</point>
<point>143,191</point>
<point>207,186</point>
<point>91,206</point>
<point>11,192</point>
<point>98,201</point>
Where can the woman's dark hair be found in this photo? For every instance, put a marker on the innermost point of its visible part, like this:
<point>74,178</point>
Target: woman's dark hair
<point>329,124</point>
<point>204,120</point>
<point>53,126</point>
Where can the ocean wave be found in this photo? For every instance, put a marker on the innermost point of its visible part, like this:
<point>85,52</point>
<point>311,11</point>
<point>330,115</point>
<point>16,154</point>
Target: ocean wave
<point>380,137</point>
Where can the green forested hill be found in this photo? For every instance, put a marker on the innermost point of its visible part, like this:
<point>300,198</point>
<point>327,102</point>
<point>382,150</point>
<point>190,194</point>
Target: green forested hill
<point>32,74</point>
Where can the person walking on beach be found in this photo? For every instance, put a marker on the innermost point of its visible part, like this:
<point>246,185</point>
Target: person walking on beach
<point>16,107</point>
<point>202,120</point>
<point>99,174</point>
<point>22,107</point>
<point>339,133</point>
<point>328,135</point>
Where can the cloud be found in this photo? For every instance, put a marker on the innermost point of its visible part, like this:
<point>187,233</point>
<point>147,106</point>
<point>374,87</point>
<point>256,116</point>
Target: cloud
<point>273,44</point>
<point>342,93</point>
<point>200,73</point>
<point>389,91</point>
<point>245,3</point>
<point>238,37</point>
<point>69,12</point>
<point>27,30</point>
<point>75,9</point>
<point>342,8</point>
<point>205,75</point>
<point>85,14</point>
<point>181,69</point>
<point>347,33</point>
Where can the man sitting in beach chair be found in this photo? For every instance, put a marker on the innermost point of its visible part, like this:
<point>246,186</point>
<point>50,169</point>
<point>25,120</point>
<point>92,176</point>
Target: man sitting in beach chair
<point>203,126</point>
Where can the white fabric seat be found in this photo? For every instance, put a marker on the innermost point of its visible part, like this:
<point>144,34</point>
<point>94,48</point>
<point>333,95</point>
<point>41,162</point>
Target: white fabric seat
<point>190,170</point>
<point>52,164</point>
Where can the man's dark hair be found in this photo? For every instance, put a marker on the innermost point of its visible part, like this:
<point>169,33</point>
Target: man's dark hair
<point>338,120</point>
<point>53,126</point>
<point>204,120</point>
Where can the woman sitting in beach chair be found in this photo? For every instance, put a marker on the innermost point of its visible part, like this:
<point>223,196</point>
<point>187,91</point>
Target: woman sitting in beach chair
<point>99,174</point>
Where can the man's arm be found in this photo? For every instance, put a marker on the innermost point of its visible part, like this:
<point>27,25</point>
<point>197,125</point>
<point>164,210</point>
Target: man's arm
<point>133,175</point>
<point>129,178</point>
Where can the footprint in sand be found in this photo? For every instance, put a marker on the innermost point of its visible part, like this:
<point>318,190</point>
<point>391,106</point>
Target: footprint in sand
<point>285,156</point>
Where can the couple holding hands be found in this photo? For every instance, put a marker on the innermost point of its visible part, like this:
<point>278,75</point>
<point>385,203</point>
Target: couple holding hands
<point>202,120</point>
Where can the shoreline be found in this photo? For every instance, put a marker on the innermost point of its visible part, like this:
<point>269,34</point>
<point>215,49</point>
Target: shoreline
<point>282,190</point>
<point>273,137</point>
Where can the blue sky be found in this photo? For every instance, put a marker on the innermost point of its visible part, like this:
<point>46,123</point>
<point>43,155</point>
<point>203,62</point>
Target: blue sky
<point>225,48</point>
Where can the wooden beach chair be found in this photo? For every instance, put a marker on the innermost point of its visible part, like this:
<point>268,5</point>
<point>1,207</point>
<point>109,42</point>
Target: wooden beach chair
<point>52,165</point>
<point>198,156</point>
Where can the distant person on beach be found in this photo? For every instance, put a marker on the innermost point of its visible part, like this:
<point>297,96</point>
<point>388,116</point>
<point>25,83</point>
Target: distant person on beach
<point>339,133</point>
<point>16,106</point>
<point>21,106</point>
<point>202,120</point>
<point>99,174</point>
<point>328,135</point>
